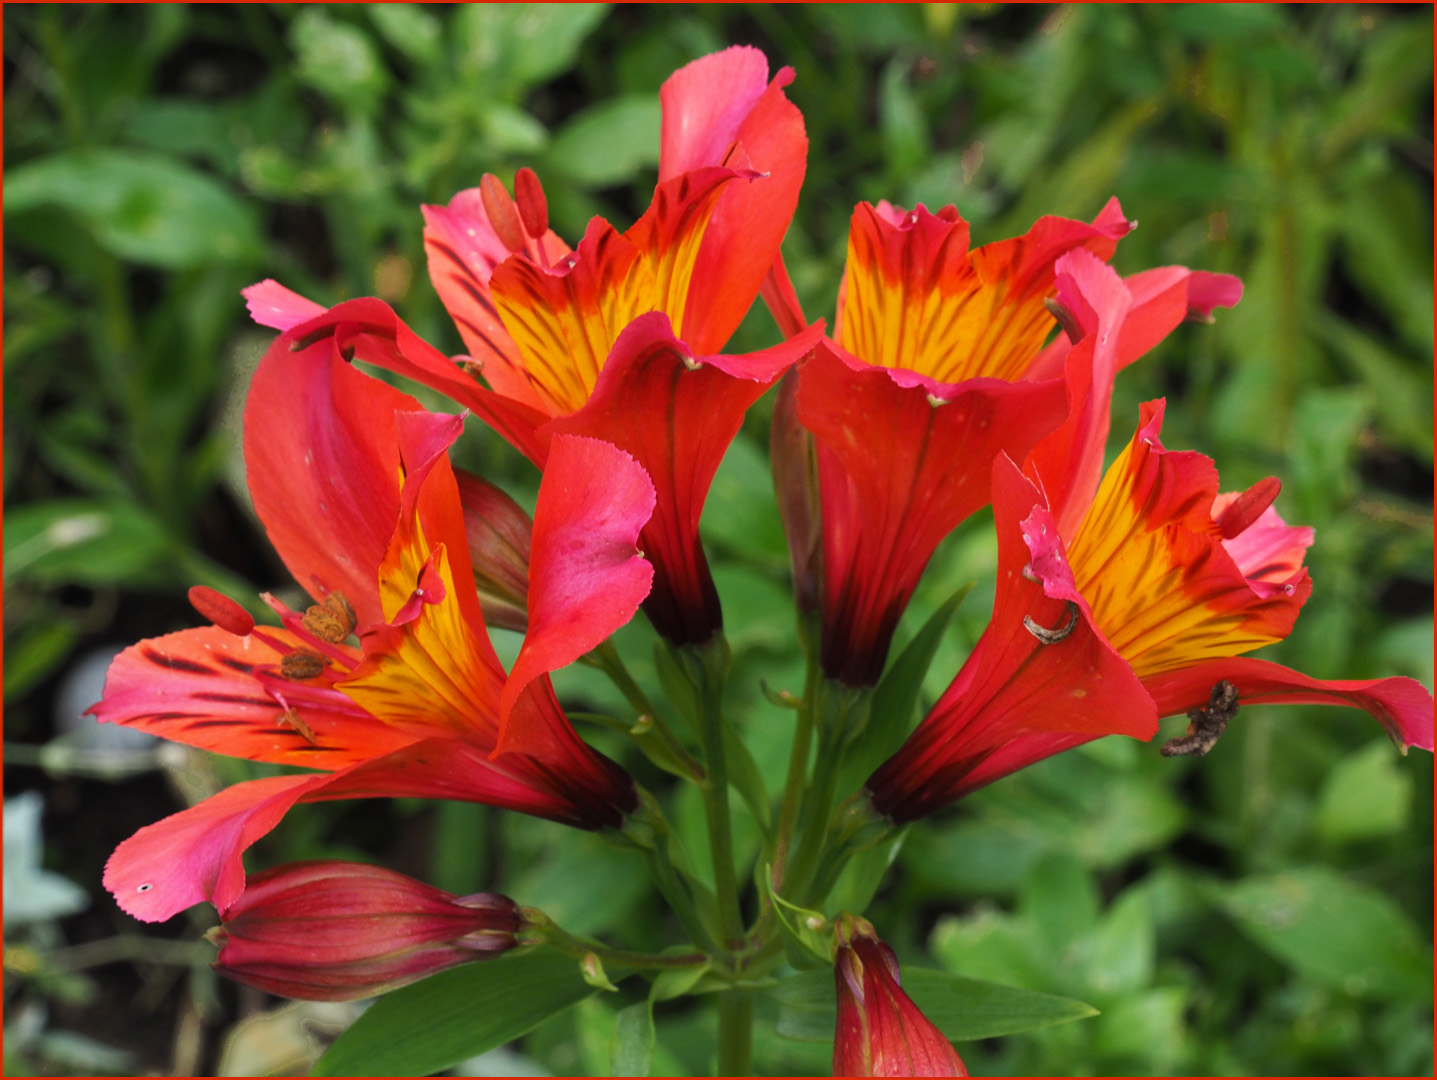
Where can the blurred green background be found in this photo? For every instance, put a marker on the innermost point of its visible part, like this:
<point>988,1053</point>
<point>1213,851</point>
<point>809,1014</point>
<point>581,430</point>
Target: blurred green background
<point>1266,910</point>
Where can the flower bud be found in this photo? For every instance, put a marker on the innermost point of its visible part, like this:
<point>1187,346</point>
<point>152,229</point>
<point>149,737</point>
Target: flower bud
<point>335,931</point>
<point>499,541</point>
<point>880,1031</point>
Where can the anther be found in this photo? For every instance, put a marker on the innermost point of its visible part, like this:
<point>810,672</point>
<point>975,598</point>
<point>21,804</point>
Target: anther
<point>332,621</point>
<point>290,718</point>
<point>1028,574</point>
<point>1248,507</point>
<point>502,213</point>
<point>533,207</point>
<point>221,610</point>
<point>1206,725</point>
<point>1066,319</point>
<point>1052,637</point>
<point>470,366</point>
<point>302,664</point>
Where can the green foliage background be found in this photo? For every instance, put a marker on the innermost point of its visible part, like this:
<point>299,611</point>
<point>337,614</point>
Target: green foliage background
<point>1266,910</point>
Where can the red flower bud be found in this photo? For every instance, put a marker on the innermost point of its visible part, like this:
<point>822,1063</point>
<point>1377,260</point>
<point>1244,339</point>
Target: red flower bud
<point>335,931</point>
<point>499,534</point>
<point>880,1031</point>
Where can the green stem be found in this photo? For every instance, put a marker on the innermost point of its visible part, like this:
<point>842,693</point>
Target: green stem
<point>648,831</point>
<point>735,1032</point>
<point>707,667</point>
<point>797,772</point>
<point>833,708</point>
<point>658,743</point>
<point>619,958</point>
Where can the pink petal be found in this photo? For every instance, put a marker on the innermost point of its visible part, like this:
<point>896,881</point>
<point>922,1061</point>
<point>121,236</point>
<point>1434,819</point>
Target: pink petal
<point>586,575</point>
<point>704,103</point>
<point>271,304</point>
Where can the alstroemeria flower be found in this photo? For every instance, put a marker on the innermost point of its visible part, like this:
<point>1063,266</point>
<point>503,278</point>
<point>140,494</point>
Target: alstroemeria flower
<point>560,335</point>
<point>880,1031</point>
<point>337,931</point>
<point>938,364</point>
<point>352,483</point>
<point>1140,609</point>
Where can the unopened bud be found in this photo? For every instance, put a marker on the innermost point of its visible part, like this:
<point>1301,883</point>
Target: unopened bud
<point>335,931</point>
<point>498,531</point>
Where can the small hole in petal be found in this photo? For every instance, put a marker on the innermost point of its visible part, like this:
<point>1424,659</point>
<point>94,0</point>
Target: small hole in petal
<point>145,887</point>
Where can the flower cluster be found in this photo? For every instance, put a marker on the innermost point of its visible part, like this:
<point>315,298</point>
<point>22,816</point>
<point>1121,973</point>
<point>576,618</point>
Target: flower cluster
<point>953,377</point>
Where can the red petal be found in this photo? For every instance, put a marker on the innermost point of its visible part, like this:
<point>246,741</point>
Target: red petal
<point>463,250</point>
<point>1014,687</point>
<point>586,576</point>
<point>1069,462</point>
<point>1402,706</point>
<point>271,304</point>
<point>710,106</point>
<point>208,688</point>
<point>897,474</point>
<point>369,330</point>
<point>322,460</point>
<point>676,417</point>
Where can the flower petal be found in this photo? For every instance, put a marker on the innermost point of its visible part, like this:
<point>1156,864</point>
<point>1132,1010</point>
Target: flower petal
<point>463,251</point>
<point>1016,688</point>
<point>208,688</point>
<point>677,416</point>
<point>900,467</point>
<point>718,111</point>
<point>322,465</point>
<point>271,304</point>
<point>1403,706</point>
<point>586,576</point>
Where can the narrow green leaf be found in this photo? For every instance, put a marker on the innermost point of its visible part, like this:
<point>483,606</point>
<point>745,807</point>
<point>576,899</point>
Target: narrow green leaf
<point>963,1009</point>
<point>896,697</point>
<point>745,778</point>
<point>456,1014</point>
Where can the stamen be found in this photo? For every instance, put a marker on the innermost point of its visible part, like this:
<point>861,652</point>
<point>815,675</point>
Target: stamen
<point>1248,507</point>
<point>290,718</point>
<point>1052,637</point>
<point>503,215</point>
<point>470,366</point>
<point>533,207</point>
<point>221,610</point>
<point>332,621</point>
<point>1066,319</point>
<point>1028,574</point>
<point>303,664</point>
<point>1205,726</point>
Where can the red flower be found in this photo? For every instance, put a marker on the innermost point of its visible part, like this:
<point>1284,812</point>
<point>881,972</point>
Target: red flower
<point>880,1031</point>
<point>336,931</point>
<point>562,335</point>
<point>938,365</point>
<point>351,481</point>
<point>1138,609</point>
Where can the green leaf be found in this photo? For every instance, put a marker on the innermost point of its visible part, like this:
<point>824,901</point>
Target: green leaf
<point>608,143</point>
<point>456,1014</point>
<point>632,1048</point>
<point>896,698</point>
<point>86,542</point>
<point>513,46</point>
<point>963,1009</point>
<point>145,208</point>
<point>1334,931</point>
<point>1366,795</point>
<point>409,28</point>
<point>39,650</point>
<point>745,778</point>
<point>339,60</point>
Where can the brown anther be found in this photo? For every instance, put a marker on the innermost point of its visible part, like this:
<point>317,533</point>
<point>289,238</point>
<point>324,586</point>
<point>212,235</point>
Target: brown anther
<point>1066,319</point>
<point>1052,637</point>
<point>290,718</point>
<point>1028,574</point>
<point>1248,507</point>
<point>471,367</point>
<point>533,207</point>
<point>332,621</point>
<point>1206,725</point>
<point>302,664</point>
<point>503,214</point>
